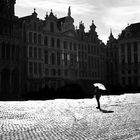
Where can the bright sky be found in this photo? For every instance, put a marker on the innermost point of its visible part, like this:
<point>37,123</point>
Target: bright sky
<point>107,14</point>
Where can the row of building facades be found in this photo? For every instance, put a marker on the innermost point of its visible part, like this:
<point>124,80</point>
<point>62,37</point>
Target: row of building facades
<point>35,53</point>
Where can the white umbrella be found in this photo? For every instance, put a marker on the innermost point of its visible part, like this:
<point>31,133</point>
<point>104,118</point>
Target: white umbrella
<point>100,86</point>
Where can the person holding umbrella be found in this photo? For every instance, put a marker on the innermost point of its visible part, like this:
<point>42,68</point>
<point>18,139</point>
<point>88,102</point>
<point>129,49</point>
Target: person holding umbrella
<point>97,93</point>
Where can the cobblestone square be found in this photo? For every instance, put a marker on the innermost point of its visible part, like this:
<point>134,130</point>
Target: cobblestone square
<point>67,119</point>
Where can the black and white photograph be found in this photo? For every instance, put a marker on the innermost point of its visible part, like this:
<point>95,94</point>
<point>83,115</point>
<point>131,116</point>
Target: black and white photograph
<point>69,70</point>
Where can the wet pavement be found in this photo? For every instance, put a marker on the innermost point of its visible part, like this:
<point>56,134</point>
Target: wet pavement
<point>67,119</point>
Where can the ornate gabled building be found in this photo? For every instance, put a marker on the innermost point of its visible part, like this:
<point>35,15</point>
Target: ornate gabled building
<point>50,52</point>
<point>112,61</point>
<point>11,52</point>
<point>129,52</point>
<point>57,53</point>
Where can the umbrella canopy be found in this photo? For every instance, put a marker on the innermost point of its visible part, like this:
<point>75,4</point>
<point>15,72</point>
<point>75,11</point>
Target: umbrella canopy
<point>100,86</point>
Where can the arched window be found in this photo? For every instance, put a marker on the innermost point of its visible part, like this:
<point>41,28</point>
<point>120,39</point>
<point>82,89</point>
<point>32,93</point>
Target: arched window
<point>52,27</point>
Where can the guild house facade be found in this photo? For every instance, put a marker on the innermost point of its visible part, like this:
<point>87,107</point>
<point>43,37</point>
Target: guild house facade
<point>129,56</point>
<point>58,53</point>
<point>52,52</point>
<point>11,52</point>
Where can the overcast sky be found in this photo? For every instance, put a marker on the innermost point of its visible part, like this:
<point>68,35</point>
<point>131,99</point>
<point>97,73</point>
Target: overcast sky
<point>107,14</point>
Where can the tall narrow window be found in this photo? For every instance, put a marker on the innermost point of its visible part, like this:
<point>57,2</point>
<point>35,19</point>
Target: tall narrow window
<point>135,47</point>
<point>30,37</point>
<point>58,58</point>
<point>129,53</point>
<point>30,52</point>
<point>30,68</point>
<point>35,38</point>
<point>46,40</point>
<point>65,45</point>
<point>39,53</point>
<point>52,27</point>
<point>40,68</point>
<point>39,39</point>
<point>3,50</point>
<point>52,42</point>
<point>35,26</point>
<point>46,57</point>
<point>35,52</point>
<point>8,51</point>
<point>58,43</point>
<point>35,68</point>
<point>53,58</point>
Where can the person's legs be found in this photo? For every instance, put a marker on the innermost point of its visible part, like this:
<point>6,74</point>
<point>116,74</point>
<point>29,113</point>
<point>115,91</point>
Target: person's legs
<point>98,103</point>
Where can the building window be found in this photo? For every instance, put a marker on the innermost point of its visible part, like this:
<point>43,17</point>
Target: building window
<point>65,59</point>
<point>8,51</point>
<point>53,72</point>
<point>129,53</point>
<point>40,68</point>
<point>35,68</point>
<point>39,39</point>
<point>39,53</point>
<point>52,42</point>
<point>30,37</point>
<point>46,71</point>
<point>58,43</point>
<point>122,48</point>
<point>123,80</point>
<point>53,59</point>
<point>135,71</point>
<point>136,81</point>
<point>30,68</point>
<point>46,40</point>
<point>59,72</point>
<point>123,72</point>
<point>71,59</point>
<point>66,72</point>
<point>65,45</point>
<point>122,59</point>
<point>58,58</point>
<point>35,26</point>
<point>35,52</point>
<point>17,53</point>
<point>75,47</point>
<point>52,27</point>
<point>35,38</point>
<point>30,52</point>
<point>135,58</point>
<point>135,45</point>
<point>70,45</point>
<point>129,81</point>
<point>13,52</point>
<point>46,57</point>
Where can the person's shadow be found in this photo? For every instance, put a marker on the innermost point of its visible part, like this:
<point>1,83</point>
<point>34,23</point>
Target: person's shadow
<point>106,111</point>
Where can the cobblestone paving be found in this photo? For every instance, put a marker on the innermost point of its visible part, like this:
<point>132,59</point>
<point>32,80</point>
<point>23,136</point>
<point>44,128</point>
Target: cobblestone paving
<point>65,119</point>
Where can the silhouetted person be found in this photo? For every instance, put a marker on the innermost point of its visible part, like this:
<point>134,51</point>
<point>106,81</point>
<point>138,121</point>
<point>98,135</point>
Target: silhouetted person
<point>97,96</point>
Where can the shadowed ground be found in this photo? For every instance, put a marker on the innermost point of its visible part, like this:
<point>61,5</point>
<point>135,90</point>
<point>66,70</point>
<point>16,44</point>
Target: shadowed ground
<point>67,119</point>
